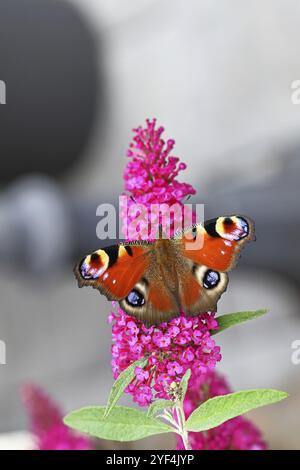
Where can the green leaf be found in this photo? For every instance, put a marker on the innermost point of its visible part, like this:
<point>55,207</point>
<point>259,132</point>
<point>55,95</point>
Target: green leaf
<point>122,424</point>
<point>121,383</point>
<point>184,383</point>
<point>158,405</point>
<point>231,319</point>
<point>217,410</point>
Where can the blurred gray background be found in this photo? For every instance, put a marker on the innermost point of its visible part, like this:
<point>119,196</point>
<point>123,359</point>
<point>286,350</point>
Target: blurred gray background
<point>79,75</point>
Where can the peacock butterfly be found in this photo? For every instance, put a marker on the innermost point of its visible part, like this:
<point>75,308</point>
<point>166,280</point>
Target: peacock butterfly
<point>155,281</point>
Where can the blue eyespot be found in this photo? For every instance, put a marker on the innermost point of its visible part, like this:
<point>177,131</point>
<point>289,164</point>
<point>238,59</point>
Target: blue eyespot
<point>135,299</point>
<point>84,270</point>
<point>244,227</point>
<point>211,279</point>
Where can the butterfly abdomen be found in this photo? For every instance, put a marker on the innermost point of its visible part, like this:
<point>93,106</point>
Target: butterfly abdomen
<point>165,261</point>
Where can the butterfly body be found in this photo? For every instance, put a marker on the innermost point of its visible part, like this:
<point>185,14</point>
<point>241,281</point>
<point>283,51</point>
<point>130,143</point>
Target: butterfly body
<point>155,281</point>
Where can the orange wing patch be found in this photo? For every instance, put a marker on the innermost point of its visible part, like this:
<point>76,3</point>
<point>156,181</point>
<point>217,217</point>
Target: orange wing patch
<point>221,242</point>
<point>190,291</point>
<point>120,278</point>
<point>113,270</point>
<point>161,299</point>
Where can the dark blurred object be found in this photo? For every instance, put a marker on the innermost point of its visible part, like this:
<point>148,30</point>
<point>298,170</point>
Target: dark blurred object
<point>42,228</point>
<point>49,64</point>
<point>34,226</point>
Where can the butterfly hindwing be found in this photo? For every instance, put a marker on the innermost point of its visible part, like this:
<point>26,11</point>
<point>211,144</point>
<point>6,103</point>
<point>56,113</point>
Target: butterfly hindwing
<point>151,300</point>
<point>199,296</point>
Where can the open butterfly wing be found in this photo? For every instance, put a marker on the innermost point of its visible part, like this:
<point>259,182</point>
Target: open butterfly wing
<point>212,249</point>
<point>114,270</point>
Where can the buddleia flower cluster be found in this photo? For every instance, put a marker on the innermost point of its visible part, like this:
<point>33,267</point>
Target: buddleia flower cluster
<point>46,423</point>
<point>172,348</point>
<point>151,177</point>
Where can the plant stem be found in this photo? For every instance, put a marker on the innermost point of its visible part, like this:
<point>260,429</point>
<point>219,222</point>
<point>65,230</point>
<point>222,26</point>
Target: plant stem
<point>177,421</point>
<point>171,421</point>
<point>181,422</point>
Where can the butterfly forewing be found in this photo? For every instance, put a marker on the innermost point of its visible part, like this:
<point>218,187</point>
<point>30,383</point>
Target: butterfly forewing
<point>114,270</point>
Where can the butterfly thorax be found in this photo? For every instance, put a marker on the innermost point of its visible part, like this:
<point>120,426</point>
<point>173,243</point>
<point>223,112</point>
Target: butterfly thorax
<point>166,260</point>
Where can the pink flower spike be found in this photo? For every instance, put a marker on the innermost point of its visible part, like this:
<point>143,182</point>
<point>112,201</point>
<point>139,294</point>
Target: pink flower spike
<point>47,425</point>
<point>151,174</point>
<point>150,177</point>
<point>168,360</point>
